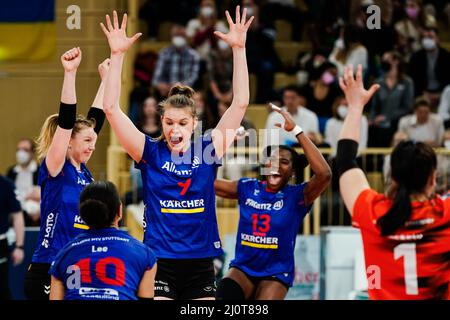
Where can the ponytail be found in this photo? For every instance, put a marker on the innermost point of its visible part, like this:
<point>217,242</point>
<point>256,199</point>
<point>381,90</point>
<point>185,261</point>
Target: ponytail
<point>398,214</point>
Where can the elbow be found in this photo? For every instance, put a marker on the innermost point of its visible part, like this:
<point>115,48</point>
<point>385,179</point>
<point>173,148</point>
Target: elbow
<point>326,176</point>
<point>108,108</point>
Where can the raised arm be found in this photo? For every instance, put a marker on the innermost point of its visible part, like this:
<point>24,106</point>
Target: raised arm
<point>56,154</point>
<point>322,172</point>
<point>352,180</point>
<point>223,134</point>
<point>96,110</point>
<point>226,188</point>
<point>131,139</point>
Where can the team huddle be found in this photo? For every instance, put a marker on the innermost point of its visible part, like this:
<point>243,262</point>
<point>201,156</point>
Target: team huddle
<point>82,254</point>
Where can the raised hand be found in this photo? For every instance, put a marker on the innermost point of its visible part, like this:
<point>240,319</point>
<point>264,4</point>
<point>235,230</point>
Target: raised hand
<point>103,68</point>
<point>71,59</point>
<point>355,93</point>
<point>238,31</point>
<point>117,37</point>
<point>289,123</point>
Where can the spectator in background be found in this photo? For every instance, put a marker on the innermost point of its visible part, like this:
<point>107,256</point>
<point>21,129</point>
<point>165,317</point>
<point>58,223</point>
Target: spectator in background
<point>398,137</point>
<point>149,120</point>
<point>207,114</point>
<point>423,125</point>
<point>177,63</point>
<point>410,27</point>
<point>430,67</point>
<point>234,166</point>
<point>155,12</point>
<point>294,103</point>
<point>24,174</point>
<point>287,10</point>
<point>334,126</point>
<point>321,92</point>
<point>444,106</point>
<point>392,101</point>
<point>262,58</point>
<point>220,70</point>
<point>200,31</point>
<point>348,49</point>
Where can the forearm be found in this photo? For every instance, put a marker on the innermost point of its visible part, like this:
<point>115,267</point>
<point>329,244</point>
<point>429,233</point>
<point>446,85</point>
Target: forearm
<point>113,83</point>
<point>98,100</point>
<point>241,91</point>
<point>19,228</point>
<point>315,158</point>
<point>68,93</point>
<point>352,124</point>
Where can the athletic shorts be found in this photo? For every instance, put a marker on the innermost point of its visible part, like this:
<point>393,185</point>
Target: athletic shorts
<point>256,280</point>
<point>37,281</point>
<point>185,279</point>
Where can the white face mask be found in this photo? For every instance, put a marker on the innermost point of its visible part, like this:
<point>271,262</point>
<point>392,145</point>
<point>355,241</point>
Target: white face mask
<point>207,11</point>
<point>428,44</point>
<point>179,41</point>
<point>222,45</point>
<point>342,111</point>
<point>22,157</point>
<point>250,11</point>
<point>447,144</point>
<point>339,43</point>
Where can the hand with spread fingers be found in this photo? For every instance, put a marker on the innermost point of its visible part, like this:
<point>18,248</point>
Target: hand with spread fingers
<point>355,93</point>
<point>117,36</point>
<point>237,35</point>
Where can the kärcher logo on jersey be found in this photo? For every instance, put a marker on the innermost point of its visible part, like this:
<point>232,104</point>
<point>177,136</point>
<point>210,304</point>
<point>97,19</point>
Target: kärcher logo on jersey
<point>264,206</point>
<point>184,206</point>
<point>78,223</point>
<point>259,241</point>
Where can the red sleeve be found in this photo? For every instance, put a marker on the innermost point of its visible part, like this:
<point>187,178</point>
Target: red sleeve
<point>363,215</point>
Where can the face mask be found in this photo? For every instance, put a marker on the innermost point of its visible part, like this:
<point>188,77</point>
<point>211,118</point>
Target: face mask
<point>22,157</point>
<point>339,44</point>
<point>412,12</point>
<point>342,111</point>
<point>447,144</point>
<point>207,11</point>
<point>327,78</point>
<point>250,11</point>
<point>385,66</point>
<point>179,41</point>
<point>222,45</point>
<point>428,44</point>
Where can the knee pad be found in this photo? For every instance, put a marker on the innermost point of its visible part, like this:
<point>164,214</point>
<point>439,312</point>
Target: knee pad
<point>229,290</point>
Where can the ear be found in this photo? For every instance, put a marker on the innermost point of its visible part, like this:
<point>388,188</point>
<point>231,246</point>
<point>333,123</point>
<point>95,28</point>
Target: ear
<point>119,214</point>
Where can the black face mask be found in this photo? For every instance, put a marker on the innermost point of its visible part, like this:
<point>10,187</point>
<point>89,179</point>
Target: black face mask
<point>385,66</point>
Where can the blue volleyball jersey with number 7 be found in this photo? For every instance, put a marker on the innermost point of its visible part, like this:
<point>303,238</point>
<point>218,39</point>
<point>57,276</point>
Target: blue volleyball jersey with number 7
<point>180,213</point>
<point>105,264</point>
<point>268,226</point>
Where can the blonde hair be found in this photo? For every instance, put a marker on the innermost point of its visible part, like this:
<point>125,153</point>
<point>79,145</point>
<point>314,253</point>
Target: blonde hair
<point>48,130</point>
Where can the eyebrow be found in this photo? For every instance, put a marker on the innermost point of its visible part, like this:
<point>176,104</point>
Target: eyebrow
<point>178,120</point>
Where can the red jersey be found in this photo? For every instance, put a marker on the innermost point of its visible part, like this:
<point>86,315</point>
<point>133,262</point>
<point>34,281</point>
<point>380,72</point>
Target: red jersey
<point>412,263</point>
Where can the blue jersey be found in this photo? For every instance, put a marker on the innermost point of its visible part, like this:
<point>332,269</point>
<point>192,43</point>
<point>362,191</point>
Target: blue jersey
<point>268,226</point>
<point>105,264</point>
<point>180,213</point>
<point>60,219</point>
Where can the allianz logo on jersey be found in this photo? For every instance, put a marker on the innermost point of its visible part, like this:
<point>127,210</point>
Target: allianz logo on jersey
<point>171,167</point>
<point>264,206</point>
<point>82,182</point>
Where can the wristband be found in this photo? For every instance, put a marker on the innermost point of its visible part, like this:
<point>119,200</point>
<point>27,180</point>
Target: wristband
<point>297,130</point>
<point>19,247</point>
<point>99,116</point>
<point>67,115</point>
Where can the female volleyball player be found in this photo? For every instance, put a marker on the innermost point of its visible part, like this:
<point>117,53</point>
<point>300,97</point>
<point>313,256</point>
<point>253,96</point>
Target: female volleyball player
<point>103,263</point>
<point>271,213</point>
<point>66,143</point>
<point>178,173</point>
<point>406,233</point>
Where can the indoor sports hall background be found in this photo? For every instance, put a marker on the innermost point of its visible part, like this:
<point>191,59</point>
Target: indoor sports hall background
<point>292,43</point>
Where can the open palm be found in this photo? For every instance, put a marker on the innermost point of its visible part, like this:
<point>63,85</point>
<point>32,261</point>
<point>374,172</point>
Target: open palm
<point>117,36</point>
<point>238,31</point>
<point>355,93</point>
